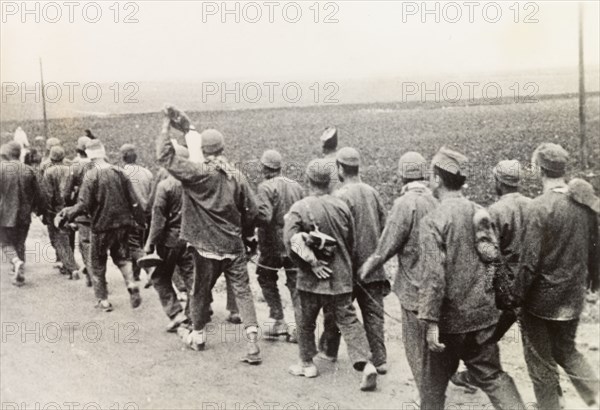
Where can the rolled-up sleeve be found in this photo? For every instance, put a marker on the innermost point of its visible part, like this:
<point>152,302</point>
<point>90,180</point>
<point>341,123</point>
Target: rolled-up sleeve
<point>432,262</point>
<point>182,169</point>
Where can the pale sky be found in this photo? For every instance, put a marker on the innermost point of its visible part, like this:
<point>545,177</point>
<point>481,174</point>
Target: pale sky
<point>171,41</point>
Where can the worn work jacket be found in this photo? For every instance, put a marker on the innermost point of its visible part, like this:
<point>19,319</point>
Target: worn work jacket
<point>20,194</point>
<point>508,218</point>
<point>108,197</point>
<point>219,208</point>
<point>368,212</point>
<point>333,218</point>
<point>166,214</point>
<point>275,198</point>
<point>401,237</point>
<point>559,255</point>
<point>457,289</point>
<point>54,183</point>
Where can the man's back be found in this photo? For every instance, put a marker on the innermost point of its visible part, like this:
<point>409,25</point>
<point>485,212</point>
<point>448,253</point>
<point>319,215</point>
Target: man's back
<point>558,254</point>
<point>166,213</point>
<point>508,217</point>
<point>275,198</point>
<point>402,232</point>
<point>369,218</point>
<point>109,198</point>
<point>141,180</point>
<point>457,288</point>
<point>218,205</point>
<point>333,217</point>
<point>54,183</point>
<point>19,193</point>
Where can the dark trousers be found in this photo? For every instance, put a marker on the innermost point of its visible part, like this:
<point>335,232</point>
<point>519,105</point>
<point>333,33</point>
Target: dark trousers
<point>84,233</point>
<point>12,240</point>
<point>267,279</point>
<point>231,306</point>
<point>136,248</point>
<point>482,359</point>
<point>162,279</point>
<point>414,337</point>
<point>206,273</point>
<point>345,317</point>
<point>370,300</point>
<point>61,240</point>
<point>548,343</point>
<point>116,241</point>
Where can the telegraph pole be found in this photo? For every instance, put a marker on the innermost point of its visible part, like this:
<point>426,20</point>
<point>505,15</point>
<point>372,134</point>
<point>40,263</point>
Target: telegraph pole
<point>44,101</point>
<point>582,137</point>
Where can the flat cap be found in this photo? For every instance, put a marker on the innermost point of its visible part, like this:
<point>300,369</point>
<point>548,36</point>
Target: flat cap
<point>348,156</point>
<point>582,192</point>
<point>412,165</point>
<point>95,149</point>
<point>11,150</point>
<point>551,157</point>
<point>508,172</point>
<point>212,141</point>
<point>271,159</point>
<point>50,142</point>
<point>82,143</point>
<point>127,148</point>
<point>319,171</point>
<point>57,153</point>
<point>450,161</point>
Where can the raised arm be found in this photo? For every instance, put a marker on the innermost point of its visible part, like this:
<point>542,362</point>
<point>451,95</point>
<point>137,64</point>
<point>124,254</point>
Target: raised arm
<point>185,170</point>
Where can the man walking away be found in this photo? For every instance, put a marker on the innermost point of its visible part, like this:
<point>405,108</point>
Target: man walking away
<point>54,181</point>
<point>108,197</point>
<point>368,213</point>
<point>20,195</point>
<point>276,195</point>
<point>320,237</point>
<point>164,239</point>
<point>560,260</point>
<point>218,216</point>
<point>401,237</point>
<point>456,298</point>
<point>141,180</point>
<point>46,161</point>
<point>81,164</point>
<point>508,219</point>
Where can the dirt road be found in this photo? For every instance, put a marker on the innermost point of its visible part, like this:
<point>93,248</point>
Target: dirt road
<point>58,352</point>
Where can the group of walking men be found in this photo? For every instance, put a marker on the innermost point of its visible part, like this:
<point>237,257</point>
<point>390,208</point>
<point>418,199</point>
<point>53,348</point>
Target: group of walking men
<point>464,275</point>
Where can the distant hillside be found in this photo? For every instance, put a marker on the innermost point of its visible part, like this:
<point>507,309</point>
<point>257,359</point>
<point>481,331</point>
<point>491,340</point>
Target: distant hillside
<point>216,95</point>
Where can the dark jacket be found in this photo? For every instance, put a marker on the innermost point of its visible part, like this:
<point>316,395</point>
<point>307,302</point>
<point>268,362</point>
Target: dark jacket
<point>369,219</point>
<point>20,194</point>
<point>54,181</point>
<point>274,199</point>
<point>401,237</point>
<point>333,218</point>
<point>508,217</point>
<point>108,197</point>
<point>456,290</point>
<point>219,208</point>
<point>78,170</point>
<point>166,214</point>
<point>559,256</point>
